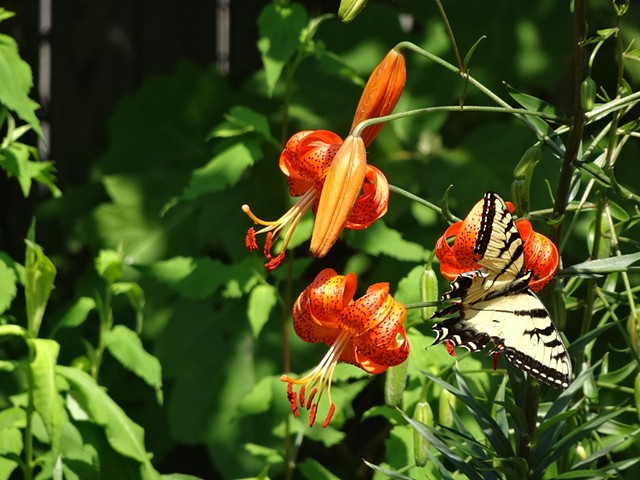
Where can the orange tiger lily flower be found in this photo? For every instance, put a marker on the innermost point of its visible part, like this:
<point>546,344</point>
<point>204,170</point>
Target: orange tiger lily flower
<point>367,332</point>
<point>540,254</point>
<point>381,93</point>
<point>333,179</point>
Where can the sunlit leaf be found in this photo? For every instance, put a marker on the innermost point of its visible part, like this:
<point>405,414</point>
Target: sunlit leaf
<point>241,120</point>
<point>16,82</point>
<point>124,436</point>
<point>223,170</point>
<point>262,299</point>
<point>109,264</point>
<point>8,288</point>
<point>280,26</point>
<point>259,399</point>
<point>198,278</point>
<point>379,239</point>
<point>46,399</point>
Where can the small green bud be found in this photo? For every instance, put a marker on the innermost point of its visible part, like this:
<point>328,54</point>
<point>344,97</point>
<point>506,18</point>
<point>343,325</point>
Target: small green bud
<point>422,414</point>
<point>528,162</point>
<point>588,94</point>
<point>349,9</point>
<point>428,290</point>
<point>446,405</point>
<point>394,384</point>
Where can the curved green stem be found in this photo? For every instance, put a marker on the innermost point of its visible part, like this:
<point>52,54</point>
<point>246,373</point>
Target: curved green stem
<point>555,146</point>
<point>419,200</point>
<point>451,108</point>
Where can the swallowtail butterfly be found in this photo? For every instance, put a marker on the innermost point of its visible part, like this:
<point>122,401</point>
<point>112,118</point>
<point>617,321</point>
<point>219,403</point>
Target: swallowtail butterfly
<point>495,304</point>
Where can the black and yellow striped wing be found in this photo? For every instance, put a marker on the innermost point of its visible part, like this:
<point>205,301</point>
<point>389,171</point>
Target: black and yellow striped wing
<point>496,305</point>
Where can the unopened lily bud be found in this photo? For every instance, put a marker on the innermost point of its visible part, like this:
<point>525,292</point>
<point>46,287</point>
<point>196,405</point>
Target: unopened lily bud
<point>341,188</point>
<point>446,405</point>
<point>395,383</point>
<point>428,290</point>
<point>349,9</point>
<point>423,414</point>
<point>381,93</point>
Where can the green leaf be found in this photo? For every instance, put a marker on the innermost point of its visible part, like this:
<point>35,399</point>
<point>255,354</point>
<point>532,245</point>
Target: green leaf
<point>561,446</point>
<point>259,399</point>
<point>280,28</point>
<point>198,278</point>
<point>127,348</point>
<point>21,161</point>
<point>124,436</point>
<point>314,470</point>
<point>76,314</point>
<point>602,265</point>
<point>535,104</point>
<point>8,288</point>
<point>46,398</point>
<point>380,239</point>
<point>261,301</point>
<point>40,273</point>
<point>109,265</point>
<point>241,120</point>
<point>443,447</point>
<point>223,170</point>
<point>11,446</point>
<point>595,172</point>
<point>16,82</point>
<point>4,14</point>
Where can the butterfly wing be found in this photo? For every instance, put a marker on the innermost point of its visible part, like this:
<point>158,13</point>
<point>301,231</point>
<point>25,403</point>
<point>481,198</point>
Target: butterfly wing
<point>499,245</point>
<point>495,304</point>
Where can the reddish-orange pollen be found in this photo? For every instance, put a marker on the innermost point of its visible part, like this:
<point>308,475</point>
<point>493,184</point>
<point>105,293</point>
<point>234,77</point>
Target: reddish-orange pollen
<point>307,403</point>
<point>250,240</point>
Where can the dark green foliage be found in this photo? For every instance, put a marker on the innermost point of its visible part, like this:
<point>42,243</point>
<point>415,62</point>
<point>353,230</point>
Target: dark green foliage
<point>138,327</point>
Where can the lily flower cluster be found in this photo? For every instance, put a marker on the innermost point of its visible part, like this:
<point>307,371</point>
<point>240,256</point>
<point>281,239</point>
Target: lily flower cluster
<point>367,332</point>
<point>331,177</point>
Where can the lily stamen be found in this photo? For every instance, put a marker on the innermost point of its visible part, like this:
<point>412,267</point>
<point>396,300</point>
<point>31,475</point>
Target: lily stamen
<point>318,380</point>
<point>273,229</point>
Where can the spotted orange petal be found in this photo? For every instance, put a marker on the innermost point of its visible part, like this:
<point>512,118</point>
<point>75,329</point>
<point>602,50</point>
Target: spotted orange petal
<point>372,202</point>
<point>306,158</point>
<point>322,302</point>
<point>541,257</point>
<point>377,360</point>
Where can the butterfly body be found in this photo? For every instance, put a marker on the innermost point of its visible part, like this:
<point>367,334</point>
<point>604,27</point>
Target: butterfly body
<point>496,305</point>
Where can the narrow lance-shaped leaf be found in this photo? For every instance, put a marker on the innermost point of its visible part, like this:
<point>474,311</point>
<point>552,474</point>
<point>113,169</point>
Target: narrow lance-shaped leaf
<point>602,265</point>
